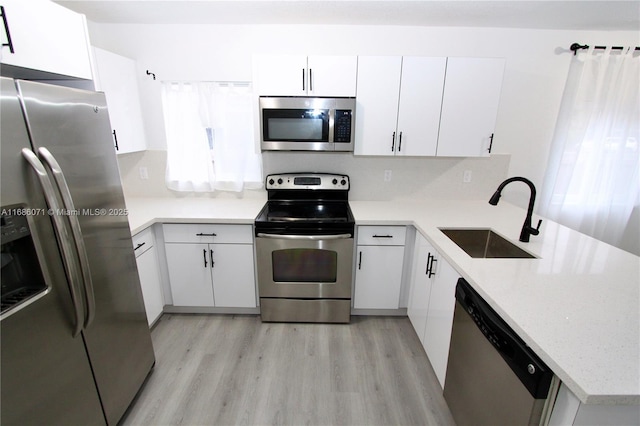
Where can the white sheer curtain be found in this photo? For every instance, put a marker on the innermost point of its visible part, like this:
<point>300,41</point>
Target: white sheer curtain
<point>209,128</point>
<point>593,181</point>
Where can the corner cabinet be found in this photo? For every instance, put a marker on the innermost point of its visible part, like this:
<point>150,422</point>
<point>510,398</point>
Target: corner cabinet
<point>379,264</point>
<point>431,303</point>
<point>45,37</point>
<point>299,75</point>
<point>470,106</point>
<point>149,273</point>
<point>423,106</point>
<point>210,265</point>
<point>116,77</point>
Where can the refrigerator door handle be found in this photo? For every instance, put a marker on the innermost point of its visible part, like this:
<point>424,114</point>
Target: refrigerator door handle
<point>72,214</point>
<point>61,231</point>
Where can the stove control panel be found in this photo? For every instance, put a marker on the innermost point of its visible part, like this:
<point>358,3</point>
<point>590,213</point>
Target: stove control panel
<point>308,181</point>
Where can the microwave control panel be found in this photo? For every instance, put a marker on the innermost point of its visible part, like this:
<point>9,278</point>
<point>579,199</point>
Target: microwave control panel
<point>342,126</point>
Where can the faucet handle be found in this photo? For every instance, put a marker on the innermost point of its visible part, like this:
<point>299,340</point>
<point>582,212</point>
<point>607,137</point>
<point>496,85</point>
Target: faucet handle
<point>536,231</point>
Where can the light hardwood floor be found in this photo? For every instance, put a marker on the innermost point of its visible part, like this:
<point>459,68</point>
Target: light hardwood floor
<point>236,370</point>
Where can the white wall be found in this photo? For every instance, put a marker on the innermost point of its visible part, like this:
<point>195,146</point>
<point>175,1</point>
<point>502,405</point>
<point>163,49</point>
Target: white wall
<point>536,67</point>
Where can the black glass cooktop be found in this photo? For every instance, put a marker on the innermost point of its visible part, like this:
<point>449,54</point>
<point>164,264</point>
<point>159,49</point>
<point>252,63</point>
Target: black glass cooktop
<point>282,211</point>
<point>308,217</point>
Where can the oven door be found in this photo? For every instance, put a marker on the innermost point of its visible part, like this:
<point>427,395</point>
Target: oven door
<point>304,266</point>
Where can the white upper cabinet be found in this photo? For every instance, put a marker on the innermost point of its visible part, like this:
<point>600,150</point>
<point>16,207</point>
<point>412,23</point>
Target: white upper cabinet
<point>377,104</point>
<point>420,101</point>
<point>398,105</point>
<point>45,37</point>
<point>422,106</point>
<point>470,106</point>
<point>297,75</point>
<point>116,77</point>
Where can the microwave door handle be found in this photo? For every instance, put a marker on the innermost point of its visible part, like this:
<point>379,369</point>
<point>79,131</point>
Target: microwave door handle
<point>61,182</point>
<point>61,231</point>
<point>305,237</point>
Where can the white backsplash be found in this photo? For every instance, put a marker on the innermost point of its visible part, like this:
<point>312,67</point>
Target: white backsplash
<point>411,178</point>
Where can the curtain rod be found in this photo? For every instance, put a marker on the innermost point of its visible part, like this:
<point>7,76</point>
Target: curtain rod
<point>576,46</point>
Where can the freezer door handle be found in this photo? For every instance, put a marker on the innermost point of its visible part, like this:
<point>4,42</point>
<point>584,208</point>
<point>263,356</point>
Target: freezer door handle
<point>72,215</point>
<point>61,231</point>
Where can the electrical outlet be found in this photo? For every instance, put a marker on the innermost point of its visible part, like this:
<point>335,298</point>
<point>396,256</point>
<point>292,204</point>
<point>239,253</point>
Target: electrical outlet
<point>387,175</point>
<point>144,173</point>
<point>466,177</point>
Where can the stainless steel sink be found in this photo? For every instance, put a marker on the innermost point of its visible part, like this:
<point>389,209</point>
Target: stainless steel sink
<point>484,243</point>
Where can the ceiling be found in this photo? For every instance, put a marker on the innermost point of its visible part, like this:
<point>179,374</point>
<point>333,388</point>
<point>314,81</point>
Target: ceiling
<point>533,14</point>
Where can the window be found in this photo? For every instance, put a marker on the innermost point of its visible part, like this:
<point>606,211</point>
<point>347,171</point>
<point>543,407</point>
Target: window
<point>210,137</point>
<point>593,181</point>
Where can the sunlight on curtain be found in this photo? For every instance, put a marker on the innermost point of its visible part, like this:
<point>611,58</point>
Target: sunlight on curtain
<point>210,140</point>
<point>593,181</point>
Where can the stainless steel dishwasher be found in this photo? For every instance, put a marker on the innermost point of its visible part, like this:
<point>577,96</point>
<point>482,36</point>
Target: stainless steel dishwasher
<point>493,377</point>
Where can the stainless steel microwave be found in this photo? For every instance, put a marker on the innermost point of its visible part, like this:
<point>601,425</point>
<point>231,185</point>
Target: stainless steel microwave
<point>307,124</point>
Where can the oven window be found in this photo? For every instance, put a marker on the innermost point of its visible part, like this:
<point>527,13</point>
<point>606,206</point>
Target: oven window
<point>305,265</point>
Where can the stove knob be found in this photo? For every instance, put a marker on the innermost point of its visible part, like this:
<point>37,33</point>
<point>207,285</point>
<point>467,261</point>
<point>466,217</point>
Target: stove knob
<point>280,181</point>
<point>271,181</point>
<point>343,182</point>
<point>334,181</point>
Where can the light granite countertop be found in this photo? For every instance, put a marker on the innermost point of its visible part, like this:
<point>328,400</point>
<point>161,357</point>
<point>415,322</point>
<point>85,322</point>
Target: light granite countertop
<point>577,305</point>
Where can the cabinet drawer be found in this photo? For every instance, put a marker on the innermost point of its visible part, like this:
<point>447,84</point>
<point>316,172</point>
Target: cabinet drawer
<point>382,235</point>
<point>206,233</point>
<point>143,241</point>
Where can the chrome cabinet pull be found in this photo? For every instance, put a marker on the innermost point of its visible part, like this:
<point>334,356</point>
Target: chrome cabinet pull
<point>64,239</point>
<point>67,201</point>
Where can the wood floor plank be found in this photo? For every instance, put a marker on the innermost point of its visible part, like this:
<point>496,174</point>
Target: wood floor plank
<point>236,370</point>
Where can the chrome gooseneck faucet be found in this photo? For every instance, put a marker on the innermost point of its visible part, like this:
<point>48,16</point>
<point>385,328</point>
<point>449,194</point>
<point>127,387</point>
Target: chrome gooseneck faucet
<point>527,229</point>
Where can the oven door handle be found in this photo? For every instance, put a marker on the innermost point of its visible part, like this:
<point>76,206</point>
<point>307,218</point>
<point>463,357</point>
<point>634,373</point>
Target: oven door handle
<point>305,237</point>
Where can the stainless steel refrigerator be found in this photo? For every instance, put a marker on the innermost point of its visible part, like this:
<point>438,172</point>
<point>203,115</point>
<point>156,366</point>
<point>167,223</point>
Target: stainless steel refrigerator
<point>75,344</point>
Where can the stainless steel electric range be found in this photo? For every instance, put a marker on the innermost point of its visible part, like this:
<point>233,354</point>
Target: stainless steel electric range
<point>304,249</point>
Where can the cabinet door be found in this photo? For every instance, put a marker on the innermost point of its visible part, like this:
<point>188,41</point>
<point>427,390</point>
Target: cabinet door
<point>469,106</point>
<point>377,104</point>
<point>419,108</point>
<point>420,287</point>
<point>332,75</point>
<point>150,282</point>
<point>281,75</point>
<point>190,274</point>
<point>46,37</point>
<point>116,77</point>
<point>233,275</point>
<point>442,302</point>
<point>378,277</point>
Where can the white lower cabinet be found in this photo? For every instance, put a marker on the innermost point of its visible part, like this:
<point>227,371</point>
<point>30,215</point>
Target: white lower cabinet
<point>149,273</point>
<point>379,262</point>
<point>210,265</point>
<point>432,302</point>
